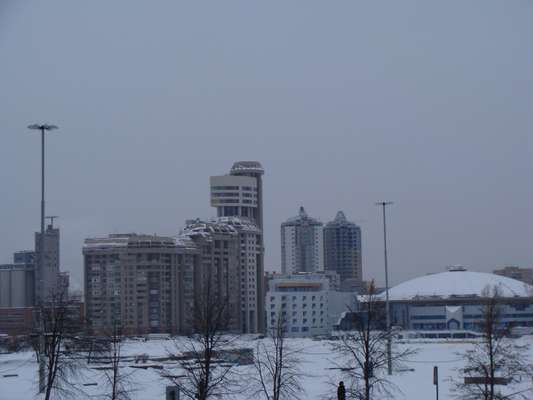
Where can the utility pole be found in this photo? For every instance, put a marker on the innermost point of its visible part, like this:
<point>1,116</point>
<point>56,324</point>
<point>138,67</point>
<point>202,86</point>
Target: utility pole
<point>40,262</point>
<point>383,205</point>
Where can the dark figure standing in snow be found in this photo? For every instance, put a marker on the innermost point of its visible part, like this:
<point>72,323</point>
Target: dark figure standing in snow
<point>341,391</point>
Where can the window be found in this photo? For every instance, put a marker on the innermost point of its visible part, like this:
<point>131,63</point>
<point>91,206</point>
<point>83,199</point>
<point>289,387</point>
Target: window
<point>224,187</point>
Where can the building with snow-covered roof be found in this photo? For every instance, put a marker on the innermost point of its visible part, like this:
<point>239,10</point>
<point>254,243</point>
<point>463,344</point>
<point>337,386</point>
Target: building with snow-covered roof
<point>217,273</point>
<point>454,299</point>
<point>144,282</point>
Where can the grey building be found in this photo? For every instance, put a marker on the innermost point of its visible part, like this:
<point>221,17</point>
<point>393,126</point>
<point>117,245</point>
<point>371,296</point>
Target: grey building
<point>17,281</point>
<point>47,271</point>
<point>143,281</point>
<point>522,274</point>
<point>342,250</point>
<point>24,257</point>
<point>238,198</point>
<point>17,285</point>
<point>301,244</point>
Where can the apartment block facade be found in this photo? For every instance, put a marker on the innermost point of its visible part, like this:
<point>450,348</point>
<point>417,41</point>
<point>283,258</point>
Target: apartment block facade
<point>216,276</point>
<point>142,281</point>
<point>342,250</point>
<point>301,244</point>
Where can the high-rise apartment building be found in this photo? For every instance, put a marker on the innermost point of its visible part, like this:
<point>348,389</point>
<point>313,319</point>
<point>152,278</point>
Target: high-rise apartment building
<point>250,263</point>
<point>238,197</point>
<point>142,281</point>
<point>216,277</point>
<point>342,250</point>
<point>239,194</point>
<point>47,270</point>
<point>301,244</point>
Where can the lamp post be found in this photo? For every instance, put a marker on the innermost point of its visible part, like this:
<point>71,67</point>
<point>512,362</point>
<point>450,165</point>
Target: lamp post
<point>383,205</point>
<point>43,128</point>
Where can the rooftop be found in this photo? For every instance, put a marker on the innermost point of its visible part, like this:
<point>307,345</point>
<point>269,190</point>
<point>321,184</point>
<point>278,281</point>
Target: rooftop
<point>457,282</point>
<point>301,218</point>
<point>243,167</point>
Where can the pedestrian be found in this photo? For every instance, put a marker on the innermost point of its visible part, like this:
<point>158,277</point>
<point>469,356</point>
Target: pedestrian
<point>341,391</point>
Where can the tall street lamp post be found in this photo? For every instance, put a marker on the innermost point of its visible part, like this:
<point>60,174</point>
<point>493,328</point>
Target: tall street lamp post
<point>43,128</point>
<point>383,205</point>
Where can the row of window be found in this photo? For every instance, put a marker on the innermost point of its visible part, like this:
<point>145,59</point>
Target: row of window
<point>249,188</point>
<point>294,298</point>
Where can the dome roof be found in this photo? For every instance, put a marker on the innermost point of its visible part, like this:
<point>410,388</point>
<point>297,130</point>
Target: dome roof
<point>457,283</point>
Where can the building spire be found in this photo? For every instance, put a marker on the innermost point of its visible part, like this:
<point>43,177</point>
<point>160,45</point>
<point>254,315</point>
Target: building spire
<point>340,217</point>
<point>302,212</point>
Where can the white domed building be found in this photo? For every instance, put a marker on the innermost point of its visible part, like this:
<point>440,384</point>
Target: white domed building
<point>452,300</point>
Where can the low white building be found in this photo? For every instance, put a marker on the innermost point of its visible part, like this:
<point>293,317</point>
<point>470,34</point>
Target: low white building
<point>307,303</point>
<point>453,300</point>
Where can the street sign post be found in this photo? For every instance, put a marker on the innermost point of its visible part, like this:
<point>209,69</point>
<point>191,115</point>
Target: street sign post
<point>436,380</point>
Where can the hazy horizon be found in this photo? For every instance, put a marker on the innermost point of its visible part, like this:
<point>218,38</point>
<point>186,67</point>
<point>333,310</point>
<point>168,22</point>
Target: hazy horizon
<point>427,104</point>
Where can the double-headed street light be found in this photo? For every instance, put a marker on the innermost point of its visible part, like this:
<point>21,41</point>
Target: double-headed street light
<point>39,298</point>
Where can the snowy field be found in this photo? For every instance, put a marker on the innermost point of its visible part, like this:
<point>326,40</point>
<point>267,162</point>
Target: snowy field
<point>317,360</point>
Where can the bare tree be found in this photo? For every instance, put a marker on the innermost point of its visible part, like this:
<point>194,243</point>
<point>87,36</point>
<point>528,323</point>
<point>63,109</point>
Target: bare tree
<point>495,360</point>
<point>118,382</point>
<point>204,374</point>
<point>61,323</point>
<point>276,374</point>
<point>363,352</point>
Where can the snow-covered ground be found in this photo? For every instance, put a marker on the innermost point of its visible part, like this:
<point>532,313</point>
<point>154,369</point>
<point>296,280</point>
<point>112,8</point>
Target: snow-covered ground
<point>317,360</point>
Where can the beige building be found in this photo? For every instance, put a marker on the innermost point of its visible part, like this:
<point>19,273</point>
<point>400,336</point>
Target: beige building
<point>142,281</point>
<point>216,277</point>
<point>521,274</point>
<point>238,198</point>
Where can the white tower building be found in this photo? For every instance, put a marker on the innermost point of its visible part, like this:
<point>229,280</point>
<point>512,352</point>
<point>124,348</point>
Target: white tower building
<point>301,244</point>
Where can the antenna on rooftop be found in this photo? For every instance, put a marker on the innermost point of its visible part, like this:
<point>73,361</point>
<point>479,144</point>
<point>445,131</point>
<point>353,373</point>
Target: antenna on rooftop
<point>51,218</point>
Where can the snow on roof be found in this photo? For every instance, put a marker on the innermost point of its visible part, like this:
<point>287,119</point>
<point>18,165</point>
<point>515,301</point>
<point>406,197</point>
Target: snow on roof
<point>457,283</point>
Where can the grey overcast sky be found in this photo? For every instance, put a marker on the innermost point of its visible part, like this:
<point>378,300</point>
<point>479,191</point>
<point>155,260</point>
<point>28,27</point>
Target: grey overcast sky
<point>426,103</point>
